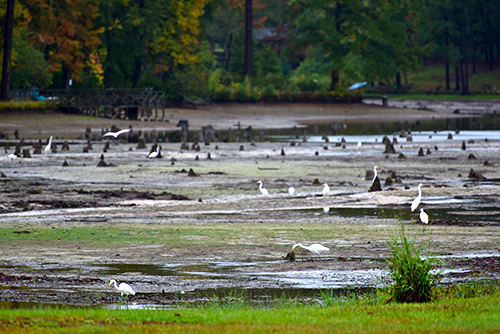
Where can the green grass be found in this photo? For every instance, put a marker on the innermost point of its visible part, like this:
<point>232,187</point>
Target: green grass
<point>473,315</point>
<point>173,234</point>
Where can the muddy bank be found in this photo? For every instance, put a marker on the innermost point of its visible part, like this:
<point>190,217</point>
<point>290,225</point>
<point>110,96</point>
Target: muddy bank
<point>67,230</point>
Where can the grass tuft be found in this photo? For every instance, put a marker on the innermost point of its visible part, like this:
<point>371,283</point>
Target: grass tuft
<point>410,270</point>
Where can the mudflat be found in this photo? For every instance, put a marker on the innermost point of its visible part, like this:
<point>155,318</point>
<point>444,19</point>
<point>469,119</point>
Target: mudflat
<point>67,230</point>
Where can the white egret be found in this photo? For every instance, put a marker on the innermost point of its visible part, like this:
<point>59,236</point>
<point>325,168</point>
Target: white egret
<point>291,191</point>
<point>314,248</point>
<point>424,217</point>
<point>417,199</point>
<point>49,145</point>
<point>12,156</point>
<point>263,191</point>
<point>360,144</point>
<point>326,210</point>
<point>374,173</point>
<point>115,134</point>
<point>124,288</point>
<point>326,189</point>
<point>155,153</point>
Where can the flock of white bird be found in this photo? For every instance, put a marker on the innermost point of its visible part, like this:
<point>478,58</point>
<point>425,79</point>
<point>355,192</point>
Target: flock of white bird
<point>126,290</point>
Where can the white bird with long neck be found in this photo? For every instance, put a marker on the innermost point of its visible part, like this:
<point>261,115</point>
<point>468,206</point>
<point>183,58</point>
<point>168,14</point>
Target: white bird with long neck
<point>417,199</point>
<point>375,174</point>
<point>124,288</point>
<point>326,189</point>
<point>49,145</point>
<point>424,217</point>
<point>263,191</point>
<point>313,248</point>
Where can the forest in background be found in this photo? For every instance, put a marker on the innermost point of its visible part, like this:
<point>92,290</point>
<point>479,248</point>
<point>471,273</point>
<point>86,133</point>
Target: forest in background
<point>301,49</point>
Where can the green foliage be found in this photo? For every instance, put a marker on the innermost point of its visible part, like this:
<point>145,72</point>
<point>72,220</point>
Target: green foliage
<point>410,270</point>
<point>175,46</point>
<point>307,84</point>
<point>270,94</point>
<point>29,67</point>
<point>316,63</point>
<point>214,81</point>
<point>243,91</point>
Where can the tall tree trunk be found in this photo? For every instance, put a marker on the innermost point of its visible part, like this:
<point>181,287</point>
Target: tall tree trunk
<point>457,79</point>
<point>66,77</point>
<point>7,50</point>
<point>489,37</point>
<point>406,81</point>
<point>446,43</point>
<point>137,72</point>
<point>338,24</point>
<point>398,81</point>
<point>248,38</point>
<point>473,42</point>
<point>462,77</point>
<point>335,79</point>
<point>448,86</point>
<point>466,77</point>
<point>226,51</point>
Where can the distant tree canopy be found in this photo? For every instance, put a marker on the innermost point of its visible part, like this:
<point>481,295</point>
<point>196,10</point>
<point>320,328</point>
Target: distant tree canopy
<point>194,48</point>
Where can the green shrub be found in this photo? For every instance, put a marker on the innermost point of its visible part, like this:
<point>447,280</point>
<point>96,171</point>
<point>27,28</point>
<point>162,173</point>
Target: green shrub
<point>269,93</point>
<point>411,272</point>
<point>214,80</point>
<point>222,94</point>
<point>243,91</point>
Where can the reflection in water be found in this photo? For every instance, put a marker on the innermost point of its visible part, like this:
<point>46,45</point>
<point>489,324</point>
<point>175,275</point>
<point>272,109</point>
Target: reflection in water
<point>465,128</point>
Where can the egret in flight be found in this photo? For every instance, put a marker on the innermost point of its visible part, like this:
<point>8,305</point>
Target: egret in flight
<point>417,199</point>
<point>326,189</point>
<point>115,134</point>
<point>263,191</point>
<point>424,217</point>
<point>124,288</point>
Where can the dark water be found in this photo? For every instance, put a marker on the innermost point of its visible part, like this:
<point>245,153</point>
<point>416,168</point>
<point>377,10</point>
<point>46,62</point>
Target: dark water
<point>350,128</point>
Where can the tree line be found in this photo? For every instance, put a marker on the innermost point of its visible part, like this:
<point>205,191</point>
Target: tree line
<point>244,49</point>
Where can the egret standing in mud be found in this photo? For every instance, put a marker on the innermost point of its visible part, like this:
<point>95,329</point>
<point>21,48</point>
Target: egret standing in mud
<point>326,189</point>
<point>124,288</point>
<point>291,191</point>
<point>263,191</point>
<point>375,174</point>
<point>49,146</point>
<point>424,217</point>
<point>155,153</point>
<point>417,199</point>
<point>313,248</point>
